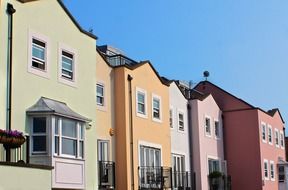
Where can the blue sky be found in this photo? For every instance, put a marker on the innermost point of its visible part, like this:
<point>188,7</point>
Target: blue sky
<point>243,44</point>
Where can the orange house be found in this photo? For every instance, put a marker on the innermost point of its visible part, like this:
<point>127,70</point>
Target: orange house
<point>142,128</point>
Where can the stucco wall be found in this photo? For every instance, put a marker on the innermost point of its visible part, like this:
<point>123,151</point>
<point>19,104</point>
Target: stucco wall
<point>144,129</point>
<point>47,18</point>
<point>179,139</point>
<point>205,147</point>
<point>22,178</point>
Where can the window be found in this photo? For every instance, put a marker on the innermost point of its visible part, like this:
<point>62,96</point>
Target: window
<point>141,103</point>
<point>39,135</point>
<point>272,171</point>
<point>263,127</point>
<point>67,62</point>
<point>156,108</point>
<point>207,126</point>
<point>270,135</point>
<point>277,137</point>
<point>181,121</point>
<point>266,174</point>
<point>178,168</point>
<point>100,94</point>
<point>38,54</point>
<point>171,118</point>
<point>69,138</point>
<point>214,165</point>
<point>281,139</point>
<point>281,173</point>
<point>217,129</point>
<point>150,157</point>
<point>103,150</point>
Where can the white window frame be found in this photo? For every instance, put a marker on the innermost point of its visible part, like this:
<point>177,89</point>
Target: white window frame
<point>205,131</point>
<point>61,79</point>
<point>154,96</point>
<point>151,145</point>
<point>214,158</point>
<point>104,101</point>
<point>77,138</point>
<point>270,133</point>
<point>40,37</point>
<point>264,169</point>
<point>282,139</point>
<point>272,164</point>
<point>171,117</point>
<point>144,92</point>
<point>99,141</point>
<point>40,134</point>
<point>264,126</point>
<point>178,120</point>
<point>219,131</point>
<point>277,136</point>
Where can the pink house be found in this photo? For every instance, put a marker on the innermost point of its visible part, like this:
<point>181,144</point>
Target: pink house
<point>254,144</point>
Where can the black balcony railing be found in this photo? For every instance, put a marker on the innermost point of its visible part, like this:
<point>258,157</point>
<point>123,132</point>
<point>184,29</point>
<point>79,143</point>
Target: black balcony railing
<point>116,60</point>
<point>220,183</point>
<point>106,175</point>
<point>182,180</point>
<point>154,178</point>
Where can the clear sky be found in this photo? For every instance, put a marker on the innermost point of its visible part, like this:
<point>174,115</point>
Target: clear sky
<point>242,43</point>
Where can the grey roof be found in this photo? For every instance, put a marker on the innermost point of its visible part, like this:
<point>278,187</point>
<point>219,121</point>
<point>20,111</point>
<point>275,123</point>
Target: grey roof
<point>46,105</point>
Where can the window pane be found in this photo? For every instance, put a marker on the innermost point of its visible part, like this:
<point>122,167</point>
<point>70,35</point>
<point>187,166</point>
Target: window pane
<point>81,149</point>
<point>56,145</point>
<point>38,52</point>
<point>156,103</point>
<point>69,128</point>
<point>56,129</point>
<point>81,135</point>
<point>39,143</point>
<point>67,64</point>
<point>69,146</point>
<point>171,118</point>
<point>141,97</point>
<point>39,125</point>
<point>100,90</point>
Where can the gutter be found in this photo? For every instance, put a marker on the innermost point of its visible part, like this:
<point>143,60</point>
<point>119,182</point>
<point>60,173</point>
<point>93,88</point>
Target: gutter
<point>10,11</point>
<point>130,78</point>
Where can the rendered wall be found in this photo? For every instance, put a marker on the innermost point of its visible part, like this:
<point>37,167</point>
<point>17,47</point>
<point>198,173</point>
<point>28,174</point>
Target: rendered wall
<point>205,147</point>
<point>21,178</point>
<point>144,129</point>
<point>47,18</point>
<point>179,139</point>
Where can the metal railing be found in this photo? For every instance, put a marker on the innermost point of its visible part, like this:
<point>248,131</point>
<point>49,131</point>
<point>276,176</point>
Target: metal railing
<point>20,154</point>
<point>106,175</point>
<point>220,183</point>
<point>182,180</point>
<point>154,178</point>
<point>116,60</point>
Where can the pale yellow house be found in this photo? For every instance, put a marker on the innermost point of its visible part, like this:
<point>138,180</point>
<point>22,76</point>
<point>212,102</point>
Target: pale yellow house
<point>143,156</point>
<point>53,95</point>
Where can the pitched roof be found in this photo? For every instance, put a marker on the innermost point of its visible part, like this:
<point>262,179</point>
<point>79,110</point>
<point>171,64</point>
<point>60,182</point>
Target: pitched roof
<point>50,106</point>
<point>70,16</point>
<point>270,112</point>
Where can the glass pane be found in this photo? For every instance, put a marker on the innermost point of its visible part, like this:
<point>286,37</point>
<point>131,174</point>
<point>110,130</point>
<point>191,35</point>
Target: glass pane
<point>141,156</point>
<point>56,129</point>
<point>69,146</point>
<point>141,97</point>
<point>156,103</point>
<point>69,128</point>
<point>39,125</point>
<point>100,90</point>
<point>81,132</point>
<point>38,52</point>
<point>67,63</point>
<point>81,149</point>
<point>56,145</point>
<point>39,143</point>
<point>141,108</point>
<point>103,151</point>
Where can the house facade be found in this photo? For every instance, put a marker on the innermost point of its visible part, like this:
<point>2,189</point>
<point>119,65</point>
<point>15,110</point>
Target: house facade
<point>207,139</point>
<point>180,145</point>
<point>53,91</point>
<point>254,141</point>
<point>143,147</point>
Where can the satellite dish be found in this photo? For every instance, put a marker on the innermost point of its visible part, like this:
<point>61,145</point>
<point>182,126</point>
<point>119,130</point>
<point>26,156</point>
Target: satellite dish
<point>206,74</point>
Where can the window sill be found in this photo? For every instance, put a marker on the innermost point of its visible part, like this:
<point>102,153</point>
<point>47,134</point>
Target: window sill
<point>142,115</point>
<point>68,157</point>
<point>101,108</point>
<point>38,72</point>
<point>67,82</point>
<point>156,120</point>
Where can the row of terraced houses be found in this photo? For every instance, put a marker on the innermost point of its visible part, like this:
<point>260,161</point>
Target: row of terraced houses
<point>94,118</point>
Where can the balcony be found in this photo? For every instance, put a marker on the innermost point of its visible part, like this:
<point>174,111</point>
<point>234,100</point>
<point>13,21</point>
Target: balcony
<point>117,60</point>
<point>219,182</point>
<point>182,180</point>
<point>154,178</point>
<point>106,175</point>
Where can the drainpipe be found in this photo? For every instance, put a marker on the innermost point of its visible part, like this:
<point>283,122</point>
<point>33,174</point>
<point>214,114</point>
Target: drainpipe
<point>10,11</point>
<point>130,78</point>
<point>192,176</point>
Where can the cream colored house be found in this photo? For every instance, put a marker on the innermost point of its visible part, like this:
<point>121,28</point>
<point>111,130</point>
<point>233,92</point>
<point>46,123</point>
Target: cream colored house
<point>53,97</point>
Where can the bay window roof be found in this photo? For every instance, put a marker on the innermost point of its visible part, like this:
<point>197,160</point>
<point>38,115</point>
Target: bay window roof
<point>50,106</point>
